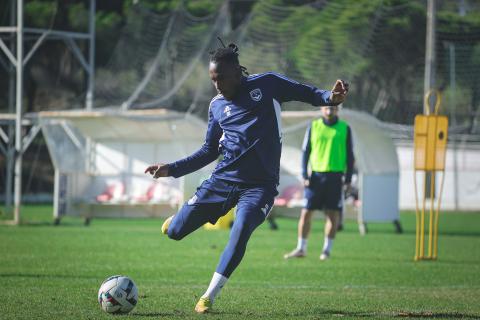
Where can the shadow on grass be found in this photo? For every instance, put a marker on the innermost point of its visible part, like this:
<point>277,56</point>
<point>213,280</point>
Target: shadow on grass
<point>173,313</point>
<point>459,233</point>
<point>360,314</point>
<point>412,232</point>
<point>409,259</point>
<point>35,223</point>
<point>52,224</point>
<point>401,314</point>
<point>436,315</point>
<point>45,276</point>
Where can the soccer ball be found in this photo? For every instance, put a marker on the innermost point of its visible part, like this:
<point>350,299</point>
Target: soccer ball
<point>118,294</point>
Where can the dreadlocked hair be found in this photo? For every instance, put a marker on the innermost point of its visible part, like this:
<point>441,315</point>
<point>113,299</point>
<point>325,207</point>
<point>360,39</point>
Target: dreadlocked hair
<point>227,54</point>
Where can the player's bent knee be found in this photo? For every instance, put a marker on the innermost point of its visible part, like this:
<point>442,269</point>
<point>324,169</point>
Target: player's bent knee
<point>174,234</point>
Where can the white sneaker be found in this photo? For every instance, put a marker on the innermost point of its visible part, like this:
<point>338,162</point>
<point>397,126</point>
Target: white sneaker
<point>324,256</point>
<point>296,253</point>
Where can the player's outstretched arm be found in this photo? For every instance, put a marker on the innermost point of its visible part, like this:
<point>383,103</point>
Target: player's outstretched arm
<point>158,170</point>
<point>339,92</point>
<point>291,90</point>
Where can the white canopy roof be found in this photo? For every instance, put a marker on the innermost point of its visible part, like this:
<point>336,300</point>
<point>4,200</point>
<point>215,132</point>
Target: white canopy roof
<point>374,150</point>
<point>130,126</point>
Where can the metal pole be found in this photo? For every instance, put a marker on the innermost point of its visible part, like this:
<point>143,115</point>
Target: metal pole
<point>453,87</point>
<point>91,59</point>
<point>429,78</point>
<point>10,156</point>
<point>462,10</point>
<point>56,195</point>
<point>18,119</point>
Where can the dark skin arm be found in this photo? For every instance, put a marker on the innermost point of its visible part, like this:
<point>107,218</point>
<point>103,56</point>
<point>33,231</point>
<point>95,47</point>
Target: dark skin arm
<point>158,170</point>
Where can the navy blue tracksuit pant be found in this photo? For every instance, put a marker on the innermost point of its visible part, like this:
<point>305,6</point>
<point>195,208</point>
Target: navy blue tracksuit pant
<point>213,199</point>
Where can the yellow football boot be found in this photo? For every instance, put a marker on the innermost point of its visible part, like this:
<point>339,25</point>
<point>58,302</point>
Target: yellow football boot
<point>166,224</point>
<point>204,305</point>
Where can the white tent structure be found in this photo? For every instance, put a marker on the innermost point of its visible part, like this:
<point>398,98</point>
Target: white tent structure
<point>100,157</point>
<point>375,159</point>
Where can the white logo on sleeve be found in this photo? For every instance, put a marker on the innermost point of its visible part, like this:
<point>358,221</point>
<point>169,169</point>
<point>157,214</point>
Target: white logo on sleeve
<point>256,94</point>
<point>192,200</point>
<point>227,111</point>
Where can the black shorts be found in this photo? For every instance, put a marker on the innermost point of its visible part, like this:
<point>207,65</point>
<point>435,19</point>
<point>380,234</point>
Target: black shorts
<point>324,191</point>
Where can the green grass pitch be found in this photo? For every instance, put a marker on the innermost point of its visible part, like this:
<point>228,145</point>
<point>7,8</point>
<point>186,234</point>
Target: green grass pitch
<point>49,272</point>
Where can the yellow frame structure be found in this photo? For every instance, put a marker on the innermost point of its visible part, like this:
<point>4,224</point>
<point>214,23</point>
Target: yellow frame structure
<point>430,145</point>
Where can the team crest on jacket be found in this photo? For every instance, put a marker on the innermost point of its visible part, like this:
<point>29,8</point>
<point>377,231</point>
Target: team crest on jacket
<point>256,94</point>
<point>227,111</point>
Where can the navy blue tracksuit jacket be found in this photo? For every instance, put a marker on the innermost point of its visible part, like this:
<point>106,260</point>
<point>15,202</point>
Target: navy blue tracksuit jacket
<point>247,130</point>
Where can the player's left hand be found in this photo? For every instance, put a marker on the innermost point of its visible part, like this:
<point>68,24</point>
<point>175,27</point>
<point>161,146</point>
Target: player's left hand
<point>339,92</point>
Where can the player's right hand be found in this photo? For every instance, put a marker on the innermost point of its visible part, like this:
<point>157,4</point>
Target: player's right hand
<point>158,170</point>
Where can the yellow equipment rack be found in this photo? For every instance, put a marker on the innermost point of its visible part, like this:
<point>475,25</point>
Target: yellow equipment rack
<point>430,145</point>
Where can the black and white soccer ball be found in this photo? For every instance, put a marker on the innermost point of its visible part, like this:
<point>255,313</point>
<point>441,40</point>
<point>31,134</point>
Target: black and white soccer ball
<point>118,294</point>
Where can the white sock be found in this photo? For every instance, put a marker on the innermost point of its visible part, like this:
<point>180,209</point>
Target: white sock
<point>327,245</point>
<point>216,284</point>
<point>302,244</point>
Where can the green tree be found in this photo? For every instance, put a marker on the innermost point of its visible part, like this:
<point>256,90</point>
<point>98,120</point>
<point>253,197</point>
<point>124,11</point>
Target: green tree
<point>462,34</point>
<point>361,44</point>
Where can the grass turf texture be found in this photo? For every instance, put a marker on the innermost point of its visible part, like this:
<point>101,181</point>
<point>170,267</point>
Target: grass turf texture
<point>49,272</point>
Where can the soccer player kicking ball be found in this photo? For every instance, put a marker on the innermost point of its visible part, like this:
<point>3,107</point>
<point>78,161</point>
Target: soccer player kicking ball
<point>244,126</point>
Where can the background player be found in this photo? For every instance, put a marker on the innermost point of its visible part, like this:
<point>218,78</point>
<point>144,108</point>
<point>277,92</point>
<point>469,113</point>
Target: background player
<point>328,148</point>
